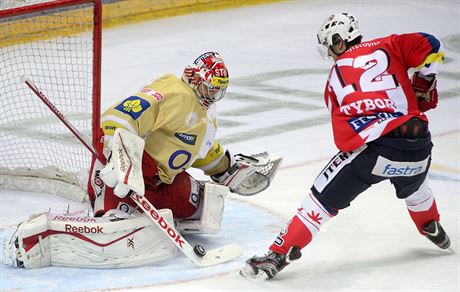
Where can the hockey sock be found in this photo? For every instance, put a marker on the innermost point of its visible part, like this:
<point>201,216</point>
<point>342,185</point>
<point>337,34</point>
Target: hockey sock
<point>303,226</point>
<point>422,206</point>
<point>421,218</point>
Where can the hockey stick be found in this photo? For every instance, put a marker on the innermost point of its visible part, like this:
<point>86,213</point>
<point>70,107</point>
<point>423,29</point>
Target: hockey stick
<point>198,255</point>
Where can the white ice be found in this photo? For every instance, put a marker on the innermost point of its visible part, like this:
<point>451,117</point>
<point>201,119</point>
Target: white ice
<point>275,103</point>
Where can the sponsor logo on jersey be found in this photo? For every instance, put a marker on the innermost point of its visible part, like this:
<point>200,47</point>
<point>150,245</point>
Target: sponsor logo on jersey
<point>133,106</point>
<point>83,229</point>
<point>186,138</point>
<point>360,123</point>
<point>179,159</point>
<point>109,128</point>
<point>387,168</point>
<point>156,95</point>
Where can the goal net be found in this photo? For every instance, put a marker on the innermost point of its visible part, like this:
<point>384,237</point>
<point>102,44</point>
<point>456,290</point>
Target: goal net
<point>57,45</point>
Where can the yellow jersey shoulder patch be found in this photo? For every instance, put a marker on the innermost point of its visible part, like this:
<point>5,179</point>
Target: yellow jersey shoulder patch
<point>133,106</point>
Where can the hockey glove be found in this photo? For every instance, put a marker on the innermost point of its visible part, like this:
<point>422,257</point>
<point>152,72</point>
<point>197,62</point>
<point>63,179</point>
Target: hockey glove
<point>249,174</point>
<point>109,177</point>
<point>425,90</point>
<point>123,172</point>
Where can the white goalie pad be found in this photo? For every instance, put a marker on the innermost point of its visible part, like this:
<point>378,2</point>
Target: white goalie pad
<point>252,174</point>
<point>124,170</point>
<point>88,242</point>
<point>127,150</point>
<point>211,210</point>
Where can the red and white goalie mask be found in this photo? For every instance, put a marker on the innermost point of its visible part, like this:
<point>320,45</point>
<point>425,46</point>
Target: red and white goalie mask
<point>208,76</point>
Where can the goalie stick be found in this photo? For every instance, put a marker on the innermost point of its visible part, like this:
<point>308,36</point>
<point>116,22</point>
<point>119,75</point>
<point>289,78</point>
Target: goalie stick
<point>197,254</point>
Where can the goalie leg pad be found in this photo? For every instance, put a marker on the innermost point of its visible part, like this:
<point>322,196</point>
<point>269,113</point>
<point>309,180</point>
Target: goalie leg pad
<point>89,242</point>
<point>209,213</point>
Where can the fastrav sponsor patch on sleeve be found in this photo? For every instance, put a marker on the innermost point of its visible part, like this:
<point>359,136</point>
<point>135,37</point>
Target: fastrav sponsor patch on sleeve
<point>133,106</point>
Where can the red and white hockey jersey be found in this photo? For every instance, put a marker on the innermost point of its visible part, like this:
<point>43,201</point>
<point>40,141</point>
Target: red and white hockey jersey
<point>369,92</point>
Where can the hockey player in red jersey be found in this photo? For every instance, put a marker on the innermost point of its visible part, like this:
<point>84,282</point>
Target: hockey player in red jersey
<point>380,128</point>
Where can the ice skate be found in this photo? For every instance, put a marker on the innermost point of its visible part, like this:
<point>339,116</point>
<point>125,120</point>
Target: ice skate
<point>269,265</point>
<point>436,234</point>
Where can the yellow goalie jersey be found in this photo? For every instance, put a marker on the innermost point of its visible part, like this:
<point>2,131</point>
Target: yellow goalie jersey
<point>178,131</point>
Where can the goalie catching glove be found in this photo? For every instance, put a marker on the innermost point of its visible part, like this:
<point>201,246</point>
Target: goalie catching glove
<point>123,172</point>
<point>249,174</point>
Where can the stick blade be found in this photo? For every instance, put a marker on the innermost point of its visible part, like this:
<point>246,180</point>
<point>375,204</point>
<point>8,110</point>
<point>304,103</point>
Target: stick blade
<point>220,255</point>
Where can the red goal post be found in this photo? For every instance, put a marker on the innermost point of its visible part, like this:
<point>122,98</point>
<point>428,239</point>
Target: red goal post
<point>58,45</point>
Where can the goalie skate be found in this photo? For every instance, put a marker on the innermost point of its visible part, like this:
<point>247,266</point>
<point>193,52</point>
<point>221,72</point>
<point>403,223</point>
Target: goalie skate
<point>11,254</point>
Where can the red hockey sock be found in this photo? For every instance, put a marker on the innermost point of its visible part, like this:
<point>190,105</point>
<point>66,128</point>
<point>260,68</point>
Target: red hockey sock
<point>294,234</point>
<point>304,225</point>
